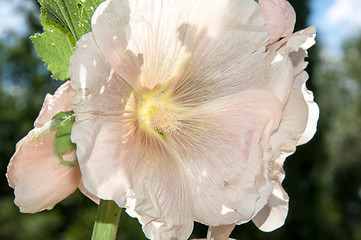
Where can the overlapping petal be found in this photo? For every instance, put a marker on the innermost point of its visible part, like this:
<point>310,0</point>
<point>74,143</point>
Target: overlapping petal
<point>222,145</point>
<point>34,170</point>
<point>298,125</point>
<point>193,39</point>
<point>139,170</point>
<point>46,184</point>
<point>280,18</point>
<point>59,102</point>
<point>240,108</point>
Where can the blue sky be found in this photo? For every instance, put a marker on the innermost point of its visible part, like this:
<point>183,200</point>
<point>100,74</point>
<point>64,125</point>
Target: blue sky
<point>10,16</point>
<point>335,20</point>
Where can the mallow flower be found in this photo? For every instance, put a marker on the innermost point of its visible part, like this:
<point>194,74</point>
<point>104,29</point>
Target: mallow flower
<point>39,178</point>
<point>185,112</point>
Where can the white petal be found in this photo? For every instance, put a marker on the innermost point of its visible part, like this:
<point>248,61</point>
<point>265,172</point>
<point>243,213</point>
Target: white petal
<point>220,232</point>
<point>222,145</point>
<point>160,196</point>
<point>99,105</point>
<point>137,175</point>
<point>283,68</point>
<point>110,168</point>
<point>147,42</point>
<point>99,89</point>
<point>298,125</point>
<point>110,25</point>
<point>274,214</point>
<point>102,159</point>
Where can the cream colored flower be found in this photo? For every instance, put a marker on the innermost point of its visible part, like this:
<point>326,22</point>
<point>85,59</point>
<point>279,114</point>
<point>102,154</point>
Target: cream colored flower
<point>183,115</point>
<point>34,171</point>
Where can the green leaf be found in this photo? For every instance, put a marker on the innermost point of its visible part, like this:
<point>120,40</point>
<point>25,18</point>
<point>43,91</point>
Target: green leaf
<point>62,123</point>
<point>63,144</point>
<point>63,141</point>
<point>63,115</point>
<point>64,22</point>
<point>68,119</point>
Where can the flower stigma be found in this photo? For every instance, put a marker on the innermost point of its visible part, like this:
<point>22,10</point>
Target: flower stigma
<point>156,114</point>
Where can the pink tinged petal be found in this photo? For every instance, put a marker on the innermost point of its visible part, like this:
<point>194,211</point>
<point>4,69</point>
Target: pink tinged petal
<point>29,153</point>
<point>46,184</point>
<point>87,193</point>
<point>59,102</point>
<point>222,147</point>
<point>280,18</point>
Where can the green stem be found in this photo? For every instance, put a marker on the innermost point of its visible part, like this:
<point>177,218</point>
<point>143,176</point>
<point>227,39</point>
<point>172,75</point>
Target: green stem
<point>107,220</point>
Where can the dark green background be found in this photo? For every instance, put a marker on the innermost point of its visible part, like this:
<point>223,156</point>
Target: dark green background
<point>323,178</point>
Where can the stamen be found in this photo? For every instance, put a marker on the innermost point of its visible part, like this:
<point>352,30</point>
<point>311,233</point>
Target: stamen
<point>163,119</point>
<point>155,114</point>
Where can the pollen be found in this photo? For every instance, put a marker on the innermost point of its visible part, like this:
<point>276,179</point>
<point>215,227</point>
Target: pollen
<point>155,113</point>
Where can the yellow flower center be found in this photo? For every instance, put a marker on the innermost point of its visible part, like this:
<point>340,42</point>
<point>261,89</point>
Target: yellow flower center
<point>157,114</point>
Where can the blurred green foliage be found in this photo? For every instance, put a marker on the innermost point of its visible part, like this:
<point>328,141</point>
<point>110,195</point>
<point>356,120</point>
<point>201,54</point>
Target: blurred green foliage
<point>323,178</point>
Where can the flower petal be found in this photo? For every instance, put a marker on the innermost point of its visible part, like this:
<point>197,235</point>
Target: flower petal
<point>138,175</point>
<point>87,193</point>
<point>118,173</point>
<point>59,102</point>
<point>147,42</point>
<point>234,114</point>
<point>22,161</point>
<point>99,89</point>
<point>101,97</point>
<point>160,195</point>
<point>220,232</point>
<point>46,184</point>
<point>222,145</point>
<point>274,214</point>
<point>283,68</point>
<point>110,27</point>
<point>297,127</point>
<point>103,163</point>
<point>280,18</point>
